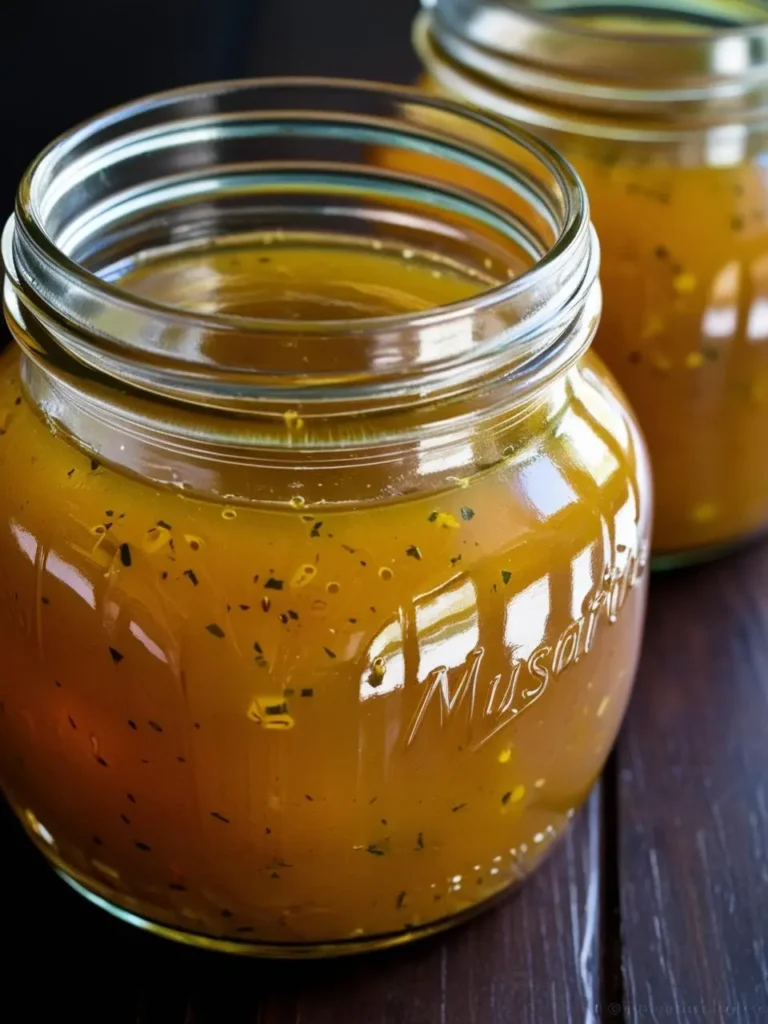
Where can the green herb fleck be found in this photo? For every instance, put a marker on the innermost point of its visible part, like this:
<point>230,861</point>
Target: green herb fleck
<point>315,531</point>
<point>506,575</point>
<point>467,513</point>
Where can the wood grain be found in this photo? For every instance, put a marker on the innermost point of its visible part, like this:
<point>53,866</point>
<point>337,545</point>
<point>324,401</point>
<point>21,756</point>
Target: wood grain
<point>693,801</point>
<point>531,960</point>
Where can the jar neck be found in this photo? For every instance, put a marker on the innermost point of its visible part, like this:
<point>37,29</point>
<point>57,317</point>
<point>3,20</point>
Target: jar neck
<point>633,71</point>
<point>176,395</point>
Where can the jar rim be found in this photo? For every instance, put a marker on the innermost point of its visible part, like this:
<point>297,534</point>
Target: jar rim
<point>164,152</point>
<point>28,214</point>
<point>710,69</point>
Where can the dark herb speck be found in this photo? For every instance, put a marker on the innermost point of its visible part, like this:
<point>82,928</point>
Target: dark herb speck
<point>467,513</point>
<point>72,722</point>
<point>176,887</point>
<point>216,631</point>
<point>374,849</point>
<point>191,576</point>
<point>329,652</point>
<point>506,575</point>
<point>219,817</point>
<point>420,841</point>
<point>155,725</point>
<point>306,692</point>
<point>458,807</point>
<point>276,709</point>
<point>506,798</point>
<point>144,847</point>
<point>413,552</point>
<point>273,584</point>
<point>401,898</point>
<point>116,656</point>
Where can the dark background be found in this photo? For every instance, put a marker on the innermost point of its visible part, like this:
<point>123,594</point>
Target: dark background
<point>63,60</point>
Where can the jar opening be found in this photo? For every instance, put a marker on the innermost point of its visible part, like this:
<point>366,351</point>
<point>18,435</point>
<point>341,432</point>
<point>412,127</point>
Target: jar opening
<point>286,162</point>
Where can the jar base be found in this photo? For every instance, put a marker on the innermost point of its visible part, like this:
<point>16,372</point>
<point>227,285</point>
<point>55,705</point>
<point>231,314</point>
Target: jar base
<point>286,950</point>
<point>669,561</point>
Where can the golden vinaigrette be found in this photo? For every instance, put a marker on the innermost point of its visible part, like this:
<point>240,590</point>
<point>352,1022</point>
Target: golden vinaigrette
<point>342,696</point>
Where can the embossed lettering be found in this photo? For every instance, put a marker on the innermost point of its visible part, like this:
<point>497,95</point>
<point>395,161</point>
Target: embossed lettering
<point>490,706</point>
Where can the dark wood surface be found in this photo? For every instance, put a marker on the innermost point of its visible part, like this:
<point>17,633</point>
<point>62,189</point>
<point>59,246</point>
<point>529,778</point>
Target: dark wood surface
<point>655,908</point>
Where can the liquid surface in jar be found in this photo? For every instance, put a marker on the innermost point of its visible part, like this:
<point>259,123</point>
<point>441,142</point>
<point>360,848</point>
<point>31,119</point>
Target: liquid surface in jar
<point>315,724</point>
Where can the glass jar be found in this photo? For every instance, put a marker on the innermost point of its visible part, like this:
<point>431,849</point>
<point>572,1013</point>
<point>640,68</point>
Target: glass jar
<point>663,113</point>
<point>319,619</point>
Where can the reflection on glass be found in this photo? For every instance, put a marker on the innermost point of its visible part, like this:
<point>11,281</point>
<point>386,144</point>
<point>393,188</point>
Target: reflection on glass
<point>447,627</point>
<point>526,617</point>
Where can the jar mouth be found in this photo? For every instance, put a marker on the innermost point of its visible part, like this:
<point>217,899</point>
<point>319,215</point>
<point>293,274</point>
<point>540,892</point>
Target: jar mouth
<point>700,59</point>
<point>194,164</point>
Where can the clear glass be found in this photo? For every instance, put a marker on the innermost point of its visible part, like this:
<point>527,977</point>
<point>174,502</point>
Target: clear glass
<point>662,110</point>
<point>317,628</point>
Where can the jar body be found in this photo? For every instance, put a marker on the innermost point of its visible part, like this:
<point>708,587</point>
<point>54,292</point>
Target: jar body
<point>299,731</point>
<point>683,231</point>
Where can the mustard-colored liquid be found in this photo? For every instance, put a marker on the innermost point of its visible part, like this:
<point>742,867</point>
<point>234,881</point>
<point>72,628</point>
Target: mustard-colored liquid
<point>315,725</point>
<point>684,328</point>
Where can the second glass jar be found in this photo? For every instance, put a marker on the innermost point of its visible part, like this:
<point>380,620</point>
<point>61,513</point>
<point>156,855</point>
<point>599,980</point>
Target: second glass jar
<point>663,114</point>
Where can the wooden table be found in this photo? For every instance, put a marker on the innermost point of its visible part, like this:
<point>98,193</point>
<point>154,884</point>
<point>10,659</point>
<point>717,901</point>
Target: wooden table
<point>655,908</point>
